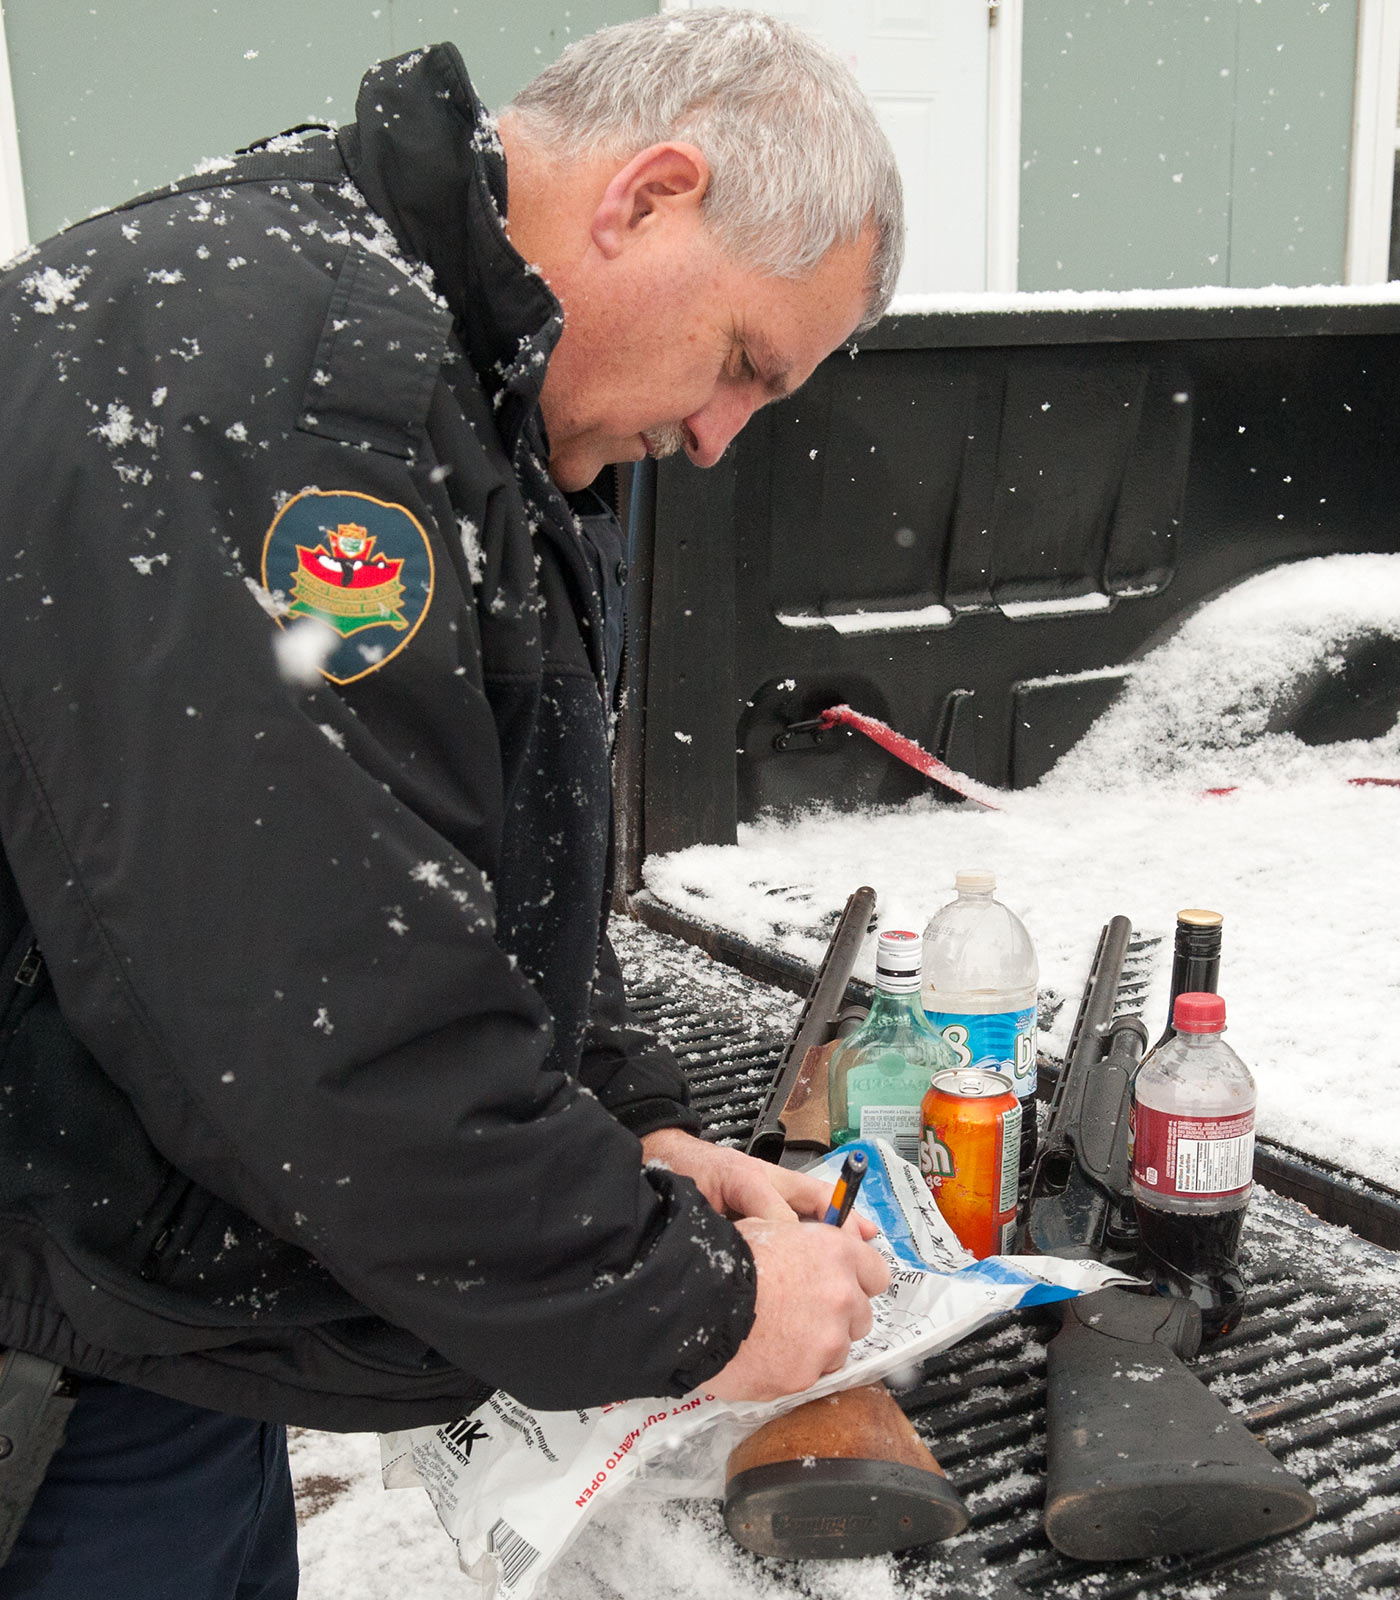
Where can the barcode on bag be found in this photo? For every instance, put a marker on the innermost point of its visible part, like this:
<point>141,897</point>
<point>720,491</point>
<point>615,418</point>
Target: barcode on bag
<point>1213,1166</point>
<point>516,1555</point>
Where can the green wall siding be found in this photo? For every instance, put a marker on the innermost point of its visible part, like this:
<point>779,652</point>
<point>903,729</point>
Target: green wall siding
<point>1169,143</point>
<point>116,96</point>
<point>1165,143</point>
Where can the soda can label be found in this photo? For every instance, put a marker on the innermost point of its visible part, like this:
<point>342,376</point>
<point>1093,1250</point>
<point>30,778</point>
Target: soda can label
<point>1001,1041</point>
<point>972,1132</point>
<point>1174,1155</point>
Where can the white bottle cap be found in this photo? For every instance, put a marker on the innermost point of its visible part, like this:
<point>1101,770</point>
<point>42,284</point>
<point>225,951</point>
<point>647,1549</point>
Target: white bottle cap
<point>976,880</point>
<point>899,958</point>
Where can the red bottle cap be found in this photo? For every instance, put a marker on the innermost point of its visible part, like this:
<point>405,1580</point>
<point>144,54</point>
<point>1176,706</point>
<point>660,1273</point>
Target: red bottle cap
<point>1198,1013</point>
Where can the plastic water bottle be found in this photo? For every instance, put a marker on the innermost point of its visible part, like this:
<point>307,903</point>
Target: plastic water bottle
<point>980,990</point>
<point>1193,1108</point>
<point>878,1075</point>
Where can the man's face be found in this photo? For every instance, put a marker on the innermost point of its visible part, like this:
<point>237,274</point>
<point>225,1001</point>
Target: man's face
<point>675,346</point>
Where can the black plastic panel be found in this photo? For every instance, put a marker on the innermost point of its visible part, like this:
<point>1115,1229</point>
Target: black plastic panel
<point>959,465</point>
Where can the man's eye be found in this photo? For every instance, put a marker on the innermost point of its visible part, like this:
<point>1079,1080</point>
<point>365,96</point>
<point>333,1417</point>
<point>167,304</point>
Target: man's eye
<point>743,369</point>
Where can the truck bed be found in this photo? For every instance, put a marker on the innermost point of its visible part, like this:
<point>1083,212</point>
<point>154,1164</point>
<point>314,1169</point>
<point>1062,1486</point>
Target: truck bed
<point>1313,1367</point>
<point>1073,548</point>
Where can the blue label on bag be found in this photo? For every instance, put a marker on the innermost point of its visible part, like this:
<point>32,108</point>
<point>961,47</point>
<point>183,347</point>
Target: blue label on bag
<point>1003,1041</point>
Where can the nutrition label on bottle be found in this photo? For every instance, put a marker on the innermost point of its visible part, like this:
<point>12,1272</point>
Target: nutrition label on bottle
<point>899,1125</point>
<point>1176,1155</point>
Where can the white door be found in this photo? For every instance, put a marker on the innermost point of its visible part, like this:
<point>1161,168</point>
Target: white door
<point>14,231</point>
<point>1375,142</point>
<point>926,66</point>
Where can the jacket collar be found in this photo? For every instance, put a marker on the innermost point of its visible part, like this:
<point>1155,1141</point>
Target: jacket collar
<point>424,152</point>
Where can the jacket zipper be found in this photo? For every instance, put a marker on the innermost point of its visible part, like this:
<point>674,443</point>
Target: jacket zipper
<point>23,978</point>
<point>31,965</point>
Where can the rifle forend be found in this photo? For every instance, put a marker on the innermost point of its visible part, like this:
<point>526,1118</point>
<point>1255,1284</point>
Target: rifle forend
<point>1080,1199</point>
<point>771,1139</point>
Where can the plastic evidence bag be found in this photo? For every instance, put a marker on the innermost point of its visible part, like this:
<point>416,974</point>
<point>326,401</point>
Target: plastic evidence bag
<point>513,1487</point>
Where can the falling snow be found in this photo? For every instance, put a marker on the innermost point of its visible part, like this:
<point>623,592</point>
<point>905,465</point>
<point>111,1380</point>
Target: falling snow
<point>303,649</point>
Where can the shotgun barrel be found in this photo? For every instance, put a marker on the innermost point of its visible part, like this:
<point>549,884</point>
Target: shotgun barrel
<point>846,1475</point>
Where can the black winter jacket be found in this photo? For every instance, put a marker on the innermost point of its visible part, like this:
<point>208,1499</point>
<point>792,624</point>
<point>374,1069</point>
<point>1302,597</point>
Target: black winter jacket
<point>316,1108</point>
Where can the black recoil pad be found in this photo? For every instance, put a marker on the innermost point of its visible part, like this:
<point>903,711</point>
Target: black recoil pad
<point>818,1510</point>
<point>1142,1459</point>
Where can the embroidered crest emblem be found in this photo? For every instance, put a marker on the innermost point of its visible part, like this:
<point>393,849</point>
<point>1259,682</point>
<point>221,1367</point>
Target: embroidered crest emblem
<point>361,565</point>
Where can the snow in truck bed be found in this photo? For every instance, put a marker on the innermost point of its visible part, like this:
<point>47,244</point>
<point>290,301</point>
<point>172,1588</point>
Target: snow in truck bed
<point>1303,861</point>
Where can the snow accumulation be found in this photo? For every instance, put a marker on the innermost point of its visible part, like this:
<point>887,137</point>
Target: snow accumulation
<point>1300,858</point>
<point>1201,297</point>
<point>359,1542</point>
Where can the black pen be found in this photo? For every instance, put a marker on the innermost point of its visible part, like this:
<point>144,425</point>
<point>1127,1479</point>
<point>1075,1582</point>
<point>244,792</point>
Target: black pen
<point>853,1170</point>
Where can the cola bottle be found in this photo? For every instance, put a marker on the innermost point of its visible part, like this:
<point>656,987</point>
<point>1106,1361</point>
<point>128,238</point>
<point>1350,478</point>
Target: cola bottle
<point>980,990</point>
<point>1192,1110</point>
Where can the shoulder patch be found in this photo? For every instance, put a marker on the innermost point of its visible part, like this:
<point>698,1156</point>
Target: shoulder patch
<point>363,566</point>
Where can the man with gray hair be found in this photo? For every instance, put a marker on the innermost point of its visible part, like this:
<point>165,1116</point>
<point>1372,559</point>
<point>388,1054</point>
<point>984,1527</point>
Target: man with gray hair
<point>753,155</point>
<point>322,1101</point>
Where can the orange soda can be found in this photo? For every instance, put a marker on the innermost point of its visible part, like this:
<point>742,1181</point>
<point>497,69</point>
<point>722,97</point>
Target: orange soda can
<point>968,1154</point>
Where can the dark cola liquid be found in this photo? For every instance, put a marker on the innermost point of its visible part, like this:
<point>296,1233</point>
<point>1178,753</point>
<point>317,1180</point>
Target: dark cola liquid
<point>1195,1256</point>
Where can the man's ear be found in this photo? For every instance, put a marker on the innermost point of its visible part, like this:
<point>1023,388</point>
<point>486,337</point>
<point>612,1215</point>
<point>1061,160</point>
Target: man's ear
<point>661,181</point>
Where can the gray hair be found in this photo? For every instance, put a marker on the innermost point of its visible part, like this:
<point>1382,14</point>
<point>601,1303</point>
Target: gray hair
<point>798,162</point>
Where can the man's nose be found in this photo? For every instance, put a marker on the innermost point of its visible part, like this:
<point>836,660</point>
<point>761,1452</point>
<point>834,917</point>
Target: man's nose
<point>709,430</point>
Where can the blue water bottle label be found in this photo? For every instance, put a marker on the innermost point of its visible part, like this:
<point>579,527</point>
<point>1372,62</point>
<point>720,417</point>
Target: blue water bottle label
<point>1002,1041</point>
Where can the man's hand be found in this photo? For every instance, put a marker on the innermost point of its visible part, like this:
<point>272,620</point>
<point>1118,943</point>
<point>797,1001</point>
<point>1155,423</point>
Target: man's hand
<point>814,1283</point>
<point>814,1288</point>
<point>737,1185</point>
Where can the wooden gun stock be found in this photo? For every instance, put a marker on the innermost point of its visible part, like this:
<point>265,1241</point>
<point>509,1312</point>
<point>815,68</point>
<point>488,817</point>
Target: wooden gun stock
<point>843,1476</point>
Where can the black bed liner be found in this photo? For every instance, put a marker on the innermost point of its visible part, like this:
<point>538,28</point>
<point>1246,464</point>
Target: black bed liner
<point>973,527</point>
<point>1314,1367</point>
<point>1026,502</point>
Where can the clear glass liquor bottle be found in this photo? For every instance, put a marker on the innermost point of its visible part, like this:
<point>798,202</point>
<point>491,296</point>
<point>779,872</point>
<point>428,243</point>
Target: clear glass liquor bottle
<point>878,1075</point>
